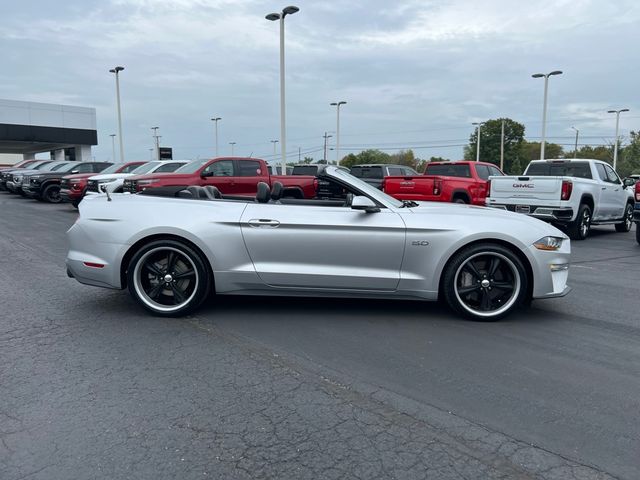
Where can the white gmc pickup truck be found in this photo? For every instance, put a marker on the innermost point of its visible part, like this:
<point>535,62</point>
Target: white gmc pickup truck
<point>573,194</point>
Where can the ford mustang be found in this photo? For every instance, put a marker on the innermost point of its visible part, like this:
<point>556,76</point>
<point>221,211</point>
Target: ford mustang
<point>174,246</point>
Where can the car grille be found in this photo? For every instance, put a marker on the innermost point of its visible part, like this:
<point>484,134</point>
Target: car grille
<point>130,186</point>
<point>25,181</point>
<point>92,186</point>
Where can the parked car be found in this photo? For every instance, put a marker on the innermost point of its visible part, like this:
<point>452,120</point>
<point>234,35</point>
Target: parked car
<point>74,187</point>
<point>234,176</point>
<point>112,183</point>
<point>574,194</point>
<point>46,185</point>
<point>484,263</point>
<point>374,174</point>
<point>14,177</point>
<point>23,164</point>
<point>458,182</point>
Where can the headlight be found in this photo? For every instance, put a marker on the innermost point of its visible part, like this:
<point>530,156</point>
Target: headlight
<point>548,243</point>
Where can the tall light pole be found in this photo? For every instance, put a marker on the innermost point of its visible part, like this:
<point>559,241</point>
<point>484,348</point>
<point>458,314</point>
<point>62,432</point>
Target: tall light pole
<point>274,148</point>
<point>478,125</point>
<point>575,148</point>
<point>326,136</point>
<point>116,71</point>
<point>502,146</point>
<point>216,120</point>
<point>156,141</point>
<point>544,105</point>
<point>615,148</point>
<point>113,147</point>
<point>232,144</point>
<point>337,105</point>
<point>283,131</point>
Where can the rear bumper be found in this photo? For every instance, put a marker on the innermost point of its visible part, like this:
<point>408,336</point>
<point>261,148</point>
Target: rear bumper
<point>636,212</point>
<point>562,215</point>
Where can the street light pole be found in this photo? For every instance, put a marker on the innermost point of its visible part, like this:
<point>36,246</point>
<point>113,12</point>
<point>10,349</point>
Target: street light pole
<point>575,148</point>
<point>337,105</point>
<point>216,120</point>
<point>156,139</point>
<point>502,146</point>
<point>478,124</point>
<point>275,152</point>
<point>615,148</point>
<point>283,131</point>
<point>116,71</point>
<point>232,144</point>
<point>113,147</point>
<point>544,106</point>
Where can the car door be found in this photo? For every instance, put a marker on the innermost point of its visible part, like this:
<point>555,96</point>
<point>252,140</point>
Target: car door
<point>248,174</point>
<point>220,174</point>
<point>605,205</point>
<point>618,195</point>
<point>324,247</point>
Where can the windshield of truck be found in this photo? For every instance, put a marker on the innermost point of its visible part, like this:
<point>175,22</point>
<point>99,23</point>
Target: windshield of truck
<point>559,169</point>
<point>192,167</point>
<point>366,172</point>
<point>145,168</point>
<point>449,170</point>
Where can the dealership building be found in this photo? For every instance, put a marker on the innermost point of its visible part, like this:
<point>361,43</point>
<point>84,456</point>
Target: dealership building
<point>65,132</point>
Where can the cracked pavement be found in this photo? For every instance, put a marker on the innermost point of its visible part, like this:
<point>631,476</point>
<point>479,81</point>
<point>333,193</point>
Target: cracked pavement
<point>93,387</point>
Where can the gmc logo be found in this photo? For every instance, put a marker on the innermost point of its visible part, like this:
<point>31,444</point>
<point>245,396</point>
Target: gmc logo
<point>523,185</point>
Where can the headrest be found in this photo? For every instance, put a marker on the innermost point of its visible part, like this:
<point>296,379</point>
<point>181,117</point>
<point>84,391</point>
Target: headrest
<point>212,192</point>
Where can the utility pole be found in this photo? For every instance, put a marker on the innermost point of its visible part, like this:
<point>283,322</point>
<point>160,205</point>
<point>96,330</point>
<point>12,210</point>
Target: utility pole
<point>113,147</point>
<point>275,152</point>
<point>116,71</point>
<point>299,152</point>
<point>216,120</point>
<point>325,136</point>
<point>502,147</point>
<point>232,144</point>
<point>157,141</point>
<point>337,105</point>
<point>478,125</point>
<point>575,148</point>
<point>615,146</point>
<point>544,106</point>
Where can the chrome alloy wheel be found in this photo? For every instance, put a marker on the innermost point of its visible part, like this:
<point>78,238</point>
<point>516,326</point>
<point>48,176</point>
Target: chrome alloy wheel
<point>487,284</point>
<point>628,218</point>
<point>166,279</point>
<point>585,223</point>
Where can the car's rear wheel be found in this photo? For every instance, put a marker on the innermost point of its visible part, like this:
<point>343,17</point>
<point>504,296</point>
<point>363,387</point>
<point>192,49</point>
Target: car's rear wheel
<point>51,194</point>
<point>638,232</point>
<point>168,278</point>
<point>627,222</point>
<point>485,282</point>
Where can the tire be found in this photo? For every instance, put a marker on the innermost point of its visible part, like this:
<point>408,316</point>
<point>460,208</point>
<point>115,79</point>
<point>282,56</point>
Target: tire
<point>485,282</point>
<point>75,203</point>
<point>638,233</point>
<point>459,200</point>
<point>580,227</point>
<point>627,223</point>
<point>168,292</point>
<point>51,194</point>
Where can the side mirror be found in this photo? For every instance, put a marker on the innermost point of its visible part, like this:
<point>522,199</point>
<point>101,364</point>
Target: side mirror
<point>206,175</point>
<point>629,182</point>
<point>364,203</point>
<point>73,171</point>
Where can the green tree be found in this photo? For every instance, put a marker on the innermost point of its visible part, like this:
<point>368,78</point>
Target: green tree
<point>600,152</point>
<point>490,142</point>
<point>531,151</point>
<point>405,157</point>
<point>366,156</point>
<point>629,160</point>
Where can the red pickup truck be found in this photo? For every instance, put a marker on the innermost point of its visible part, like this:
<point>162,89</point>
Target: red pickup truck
<point>459,182</point>
<point>231,175</point>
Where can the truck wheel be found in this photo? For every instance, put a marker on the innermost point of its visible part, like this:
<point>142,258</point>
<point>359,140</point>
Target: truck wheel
<point>638,233</point>
<point>51,194</point>
<point>484,282</point>
<point>625,225</point>
<point>459,200</point>
<point>579,228</point>
<point>168,278</point>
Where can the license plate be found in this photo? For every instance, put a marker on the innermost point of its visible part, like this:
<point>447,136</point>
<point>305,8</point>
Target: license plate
<point>523,209</point>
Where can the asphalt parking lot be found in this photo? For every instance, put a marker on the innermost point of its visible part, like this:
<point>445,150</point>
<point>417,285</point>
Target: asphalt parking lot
<point>93,387</point>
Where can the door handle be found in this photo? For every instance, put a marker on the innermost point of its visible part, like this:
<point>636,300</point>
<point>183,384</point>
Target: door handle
<point>604,188</point>
<point>263,222</point>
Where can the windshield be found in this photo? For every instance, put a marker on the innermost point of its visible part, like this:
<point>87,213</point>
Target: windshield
<point>55,167</point>
<point>68,167</point>
<point>192,167</point>
<point>366,172</point>
<point>112,169</point>
<point>449,170</point>
<point>305,170</point>
<point>363,186</point>
<point>559,169</point>
<point>41,166</point>
<point>145,168</point>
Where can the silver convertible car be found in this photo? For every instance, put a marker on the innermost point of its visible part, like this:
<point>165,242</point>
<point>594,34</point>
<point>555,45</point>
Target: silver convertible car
<point>174,246</point>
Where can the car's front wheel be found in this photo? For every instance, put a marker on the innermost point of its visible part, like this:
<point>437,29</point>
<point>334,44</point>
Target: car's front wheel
<point>51,194</point>
<point>485,282</point>
<point>168,278</point>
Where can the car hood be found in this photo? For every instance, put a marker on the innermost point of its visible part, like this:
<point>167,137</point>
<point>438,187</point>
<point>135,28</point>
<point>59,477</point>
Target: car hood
<point>478,218</point>
<point>42,174</point>
<point>23,171</point>
<point>111,176</point>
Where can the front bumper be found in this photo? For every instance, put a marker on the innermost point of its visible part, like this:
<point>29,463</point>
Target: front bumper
<point>561,215</point>
<point>14,187</point>
<point>550,271</point>
<point>31,191</point>
<point>71,196</point>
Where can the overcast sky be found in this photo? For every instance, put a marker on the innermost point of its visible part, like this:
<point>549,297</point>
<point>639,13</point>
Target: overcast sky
<point>415,74</point>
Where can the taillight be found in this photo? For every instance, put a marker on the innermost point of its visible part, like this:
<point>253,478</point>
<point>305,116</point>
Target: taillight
<point>315,185</point>
<point>437,186</point>
<point>567,188</point>
<point>637,191</point>
<point>488,188</point>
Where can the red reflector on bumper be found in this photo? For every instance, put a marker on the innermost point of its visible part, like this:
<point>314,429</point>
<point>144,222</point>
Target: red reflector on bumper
<point>93,265</point>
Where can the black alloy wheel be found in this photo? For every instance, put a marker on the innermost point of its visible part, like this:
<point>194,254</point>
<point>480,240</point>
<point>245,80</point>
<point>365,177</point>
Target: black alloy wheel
<point>51,194</point>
